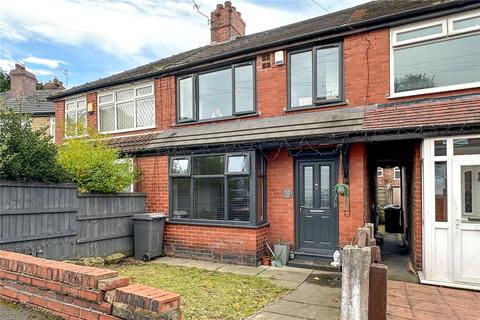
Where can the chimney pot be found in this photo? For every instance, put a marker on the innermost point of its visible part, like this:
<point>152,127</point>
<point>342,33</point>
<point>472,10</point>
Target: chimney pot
<point>226,23</point>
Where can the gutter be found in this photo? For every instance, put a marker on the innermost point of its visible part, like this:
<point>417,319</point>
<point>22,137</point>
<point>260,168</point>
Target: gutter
<point>392,20</point>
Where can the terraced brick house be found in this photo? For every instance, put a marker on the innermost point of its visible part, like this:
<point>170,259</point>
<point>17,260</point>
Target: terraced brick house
<point>244,139</point>
<point>26,98</point>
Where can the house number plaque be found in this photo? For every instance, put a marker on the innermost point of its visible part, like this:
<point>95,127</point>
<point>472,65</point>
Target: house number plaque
<point>287,194</point>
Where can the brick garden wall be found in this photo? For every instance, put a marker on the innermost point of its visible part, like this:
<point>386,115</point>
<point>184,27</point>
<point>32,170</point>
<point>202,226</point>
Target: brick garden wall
<point>77,292</point>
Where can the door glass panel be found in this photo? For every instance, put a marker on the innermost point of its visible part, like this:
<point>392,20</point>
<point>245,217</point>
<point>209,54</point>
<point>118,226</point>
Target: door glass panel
<point>308,186</point>
<point>466,146</point>
<point>470,193</point>
<point>441,213</point>
<point>325,186</point>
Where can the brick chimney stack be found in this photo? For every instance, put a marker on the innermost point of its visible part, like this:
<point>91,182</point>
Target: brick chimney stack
<point>226,23</point>
<point>22,82</point>
<point>54,84</point>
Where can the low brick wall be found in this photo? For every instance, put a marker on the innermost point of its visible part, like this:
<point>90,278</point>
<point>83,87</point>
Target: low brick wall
<point>77,292</point>
<point>224,243</point>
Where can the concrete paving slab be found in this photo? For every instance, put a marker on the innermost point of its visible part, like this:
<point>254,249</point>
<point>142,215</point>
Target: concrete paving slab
<point>316,295</point>
<point>207,265</point>
<point>292,269</point>
<point>251,271</point>
<point>285,283</point>
<point>273,316</point>
<point>303,311</point>
<point>284,275</point>
<point>171,261</point>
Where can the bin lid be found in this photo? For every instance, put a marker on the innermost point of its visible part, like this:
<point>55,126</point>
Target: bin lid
<point>149,216</point>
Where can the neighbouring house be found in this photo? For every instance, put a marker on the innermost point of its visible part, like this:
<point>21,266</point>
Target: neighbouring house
<point>24,97</point>
<point>389,186</point>
<point>243,139</point>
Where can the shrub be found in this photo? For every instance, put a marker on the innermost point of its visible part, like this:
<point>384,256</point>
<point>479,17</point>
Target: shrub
<point>94,165</point>
<point>26,155</point>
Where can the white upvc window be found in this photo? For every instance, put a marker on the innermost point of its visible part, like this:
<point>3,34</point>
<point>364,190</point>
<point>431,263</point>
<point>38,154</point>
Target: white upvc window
<point>52,128</point>
<point>127,109</point>
<point>75,115</point>
<point>436,55</point>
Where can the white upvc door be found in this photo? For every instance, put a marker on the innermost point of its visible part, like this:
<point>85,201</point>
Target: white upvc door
<point>451,211</point>
<point>466,224</point>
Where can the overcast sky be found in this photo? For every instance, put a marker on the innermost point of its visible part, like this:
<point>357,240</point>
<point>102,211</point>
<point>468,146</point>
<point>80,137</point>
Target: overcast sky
<point>97,38</point>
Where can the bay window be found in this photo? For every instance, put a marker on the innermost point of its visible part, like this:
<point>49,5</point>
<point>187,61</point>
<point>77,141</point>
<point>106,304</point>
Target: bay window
<point>315,76</point>
<point>216,94</point>
<point>218,188</point>
<point>437,55</point>
<point>126,109</point>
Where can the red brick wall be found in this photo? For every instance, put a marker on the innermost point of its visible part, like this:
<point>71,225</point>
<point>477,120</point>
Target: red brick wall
<point>228,244</point>
<point>280,211</point>
<point>77,292</point>
<point>59,121</point>
<point>416,210</point>
<point>354,215</point>
<point>92,117</point>
<point>154,171</point>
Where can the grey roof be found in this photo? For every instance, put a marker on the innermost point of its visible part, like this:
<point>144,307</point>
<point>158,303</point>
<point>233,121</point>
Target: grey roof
<point>36,104</point>
<point>280,128</point>
<point>373,12</point>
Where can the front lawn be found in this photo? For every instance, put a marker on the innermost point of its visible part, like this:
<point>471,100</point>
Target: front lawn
<point>206,294</point>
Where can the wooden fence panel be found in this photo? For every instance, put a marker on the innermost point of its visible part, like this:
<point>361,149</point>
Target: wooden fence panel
<point>53,221</point>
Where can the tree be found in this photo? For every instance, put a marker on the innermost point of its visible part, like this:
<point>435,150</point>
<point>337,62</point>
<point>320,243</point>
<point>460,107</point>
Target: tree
<point>4,81</point>
<point>26,155</point>
<point>93,164</point>
<point>413,81</point>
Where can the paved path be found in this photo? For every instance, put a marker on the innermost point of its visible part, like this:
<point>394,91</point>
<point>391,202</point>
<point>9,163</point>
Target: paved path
<point>10,311</point>
<point>316,294</point>
<point>423,302</point>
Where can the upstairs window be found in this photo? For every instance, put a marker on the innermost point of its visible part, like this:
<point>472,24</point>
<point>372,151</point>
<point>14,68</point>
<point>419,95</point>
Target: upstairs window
<point>315,76</point>
<point>217,94</point>
<point>126,109</point>
<point>75,116</point>
<point>218,188</point>
<point>437,55</point>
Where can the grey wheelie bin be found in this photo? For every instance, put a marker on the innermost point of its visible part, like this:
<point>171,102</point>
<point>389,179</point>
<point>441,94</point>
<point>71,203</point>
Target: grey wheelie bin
<point>148,235</point>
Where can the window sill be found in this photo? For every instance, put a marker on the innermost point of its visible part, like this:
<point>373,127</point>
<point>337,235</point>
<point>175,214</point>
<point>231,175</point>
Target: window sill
<point>434,90</point>
<point>316,106</point>
<point>240,116</point>
<point>217,224</point>
<point>126,130</point>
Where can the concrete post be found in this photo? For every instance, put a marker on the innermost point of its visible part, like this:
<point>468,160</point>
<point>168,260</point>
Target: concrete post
<point>355,282</point>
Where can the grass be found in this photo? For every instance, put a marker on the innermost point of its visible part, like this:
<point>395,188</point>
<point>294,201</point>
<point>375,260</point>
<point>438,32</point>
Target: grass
<point>15,310</point>
<point>207,295</point>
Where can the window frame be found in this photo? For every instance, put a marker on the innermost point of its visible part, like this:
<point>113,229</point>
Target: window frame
<point>395,170</point>
<point>315,101</point>
<point>380,169</point>
<point>252,175</point>
<point>458,17</point>
<point>75,100</point>
<point>447,23</point>
<point>189,168</point>
<point>196,95</point>
<point>113,92</point>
